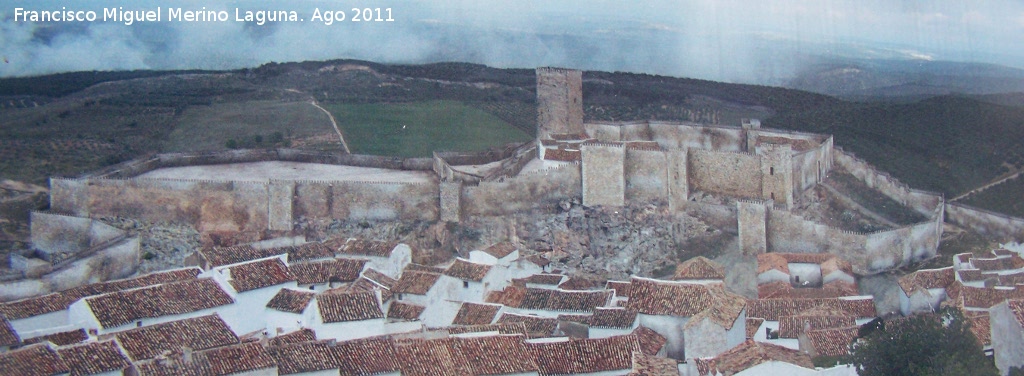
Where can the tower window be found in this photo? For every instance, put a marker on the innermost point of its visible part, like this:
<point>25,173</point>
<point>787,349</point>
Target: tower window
<point>465,284</point>
<point>771,170</point>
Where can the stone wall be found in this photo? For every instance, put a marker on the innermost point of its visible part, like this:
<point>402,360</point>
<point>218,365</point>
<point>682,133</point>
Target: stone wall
<point>603,174</point>
<point>811,166</point>
<point>676,135</point>
<point>559,102</point>
<point>354,200</point>
<point>868,253</point>
<point>542,189</point>
<point>923,202</point>
<point>730,174</point>
<point>751,219</point>
<point>646,176</point>
<point>776,173</point>
<point>991,224</point>
<point>605,131</point>
<point>679,180</point>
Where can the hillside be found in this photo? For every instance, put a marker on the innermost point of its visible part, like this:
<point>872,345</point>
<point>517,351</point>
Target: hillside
<point>70,123</point>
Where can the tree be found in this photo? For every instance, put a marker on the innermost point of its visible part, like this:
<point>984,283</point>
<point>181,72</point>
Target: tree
<point>935,344</point>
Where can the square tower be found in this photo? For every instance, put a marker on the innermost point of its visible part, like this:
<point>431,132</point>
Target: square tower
<point>559,102</point>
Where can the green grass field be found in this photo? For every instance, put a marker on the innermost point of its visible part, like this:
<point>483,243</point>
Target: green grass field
<point>417,129</point>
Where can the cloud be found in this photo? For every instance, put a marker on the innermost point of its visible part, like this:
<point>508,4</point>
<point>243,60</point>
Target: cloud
<point>729,40</point>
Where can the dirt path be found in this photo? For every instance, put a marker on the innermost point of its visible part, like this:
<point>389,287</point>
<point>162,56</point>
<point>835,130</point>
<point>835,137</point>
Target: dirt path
<point>987,186</point>
<point>334,123</point>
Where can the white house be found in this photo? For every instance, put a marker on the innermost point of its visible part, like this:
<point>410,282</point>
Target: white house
<point>389,258</point>
<point>755,358</point>
<point>324,275</point>
<point>698,320</point>
<point>48,314</point>
<point>699,269</point>
<point>248,359</point>
<point>289,310</point>
<point>102,358</point>
<point>924,290</point>
<point>316,358</point>
<point>156,304</point>
<point>497,254</point>
<point>252,284</point>
<point>199,333</point>
<point>612,321</point>
<point>351,315</point>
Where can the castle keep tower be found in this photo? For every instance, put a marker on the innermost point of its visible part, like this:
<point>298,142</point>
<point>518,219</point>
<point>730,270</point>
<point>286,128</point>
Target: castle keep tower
<point>559,102</point>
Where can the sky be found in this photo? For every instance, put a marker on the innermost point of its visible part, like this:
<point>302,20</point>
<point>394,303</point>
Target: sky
<point>766,41</point>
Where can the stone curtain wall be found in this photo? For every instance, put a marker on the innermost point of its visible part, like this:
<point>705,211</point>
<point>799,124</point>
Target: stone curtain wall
<point>730,174</point>
<point>676,135</point>
<point>810,167</point>
<point>646,176</point>
<point>542,189</point>
<point>559,101</point>
<point>923,202</point>
<point>353,200</point>
<point>603,174</point>
<point>991,224</point>
<point>869,253</point>
<point>751,220</point>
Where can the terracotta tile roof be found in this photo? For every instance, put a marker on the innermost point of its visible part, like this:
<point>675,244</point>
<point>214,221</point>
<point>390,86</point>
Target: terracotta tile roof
<point>585,355</point>
<point>220,256</point>
<point>650,341</point>
<point>781,289</point>
<point>198,333</point>
<point>34,360</point>
<point>365,247</point>
<point>698,268</point>
<point>469,271</point>
<point>424,268</point>
<point>774,309</point>
<point>753,324</point>
<point>536,326</point>
<point>495,355</point>
<point>540,279</point>
<point>259,274</point>
<point>836,264</point>
<point>476,314</point>
<point>772,261</point>
<point>1002,252</point>
<point>354,306</point>
<point>981,326</point>
<point>60,301</point>
<point>62,338</point>
<point>562,155</point>
<point>833,341</point>
<point>379,278</point>
<point>685,300</point>
<point>576,318</point>
<point>414,282</point>
<point>551,300</point>
<point>405,311</point>
<point>220,361</point>
<point>501,328</point>
<point>8,337</point>
<point>621,288</point>
<point>1017,307</point>
<point>981,297</point>
<point>619,318</point>
<point>793,326</point>
<point>365,285</point>
<point>999,263</point>
<point>305,357</point>
<point>1011,279</point>
<point>367,356</point>
<point>750,354</point>
<point>500,250</point>
<point>291,301</point>
<point>93,358</point>
<point>648,365</point>
<point>582,284</point>
<point>123,307</point>
<point>337,270</point>
<point>298,336</point>
<point>971,275</point>
<point>310,251</point>
<point>430,358</point>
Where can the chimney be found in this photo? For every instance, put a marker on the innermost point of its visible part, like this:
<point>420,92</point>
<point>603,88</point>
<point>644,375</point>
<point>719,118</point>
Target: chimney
<point>767,332</point>
<point>186,355</point>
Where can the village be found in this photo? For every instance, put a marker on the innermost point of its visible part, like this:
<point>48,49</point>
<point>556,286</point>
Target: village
<point>287,304</point>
